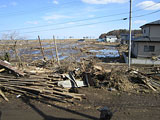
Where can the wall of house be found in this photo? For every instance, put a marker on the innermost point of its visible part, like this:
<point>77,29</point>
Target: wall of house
<point>139,49</point>
<point>155,31</point>
<point>146,31</point>
<point>141,61</point>
<point>135,48</point>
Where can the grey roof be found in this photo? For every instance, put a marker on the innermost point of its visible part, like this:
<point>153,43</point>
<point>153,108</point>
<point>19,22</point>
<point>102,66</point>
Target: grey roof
<point>152,23</point>
<point>147,39</point>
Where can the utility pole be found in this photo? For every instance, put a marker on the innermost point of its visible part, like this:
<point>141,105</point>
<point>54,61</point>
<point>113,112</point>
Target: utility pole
<point>130,35</point>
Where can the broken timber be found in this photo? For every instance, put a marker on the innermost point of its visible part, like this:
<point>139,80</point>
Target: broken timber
<point>4,97</point>
<point>10,67</point>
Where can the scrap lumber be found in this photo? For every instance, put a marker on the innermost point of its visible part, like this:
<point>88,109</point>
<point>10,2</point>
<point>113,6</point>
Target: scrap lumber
<point>4,97</point>
<point>43,86</point>
<point>149,85</point>
<point>2,70</point>
<point>10,67</point>
<point>53,98</point>
<point>145,80</point>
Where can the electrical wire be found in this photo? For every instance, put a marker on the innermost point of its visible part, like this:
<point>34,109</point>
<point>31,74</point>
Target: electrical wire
<point>36,10</point>
<point>81,19</point>
<point>94,23</point>
<point>77,25</point>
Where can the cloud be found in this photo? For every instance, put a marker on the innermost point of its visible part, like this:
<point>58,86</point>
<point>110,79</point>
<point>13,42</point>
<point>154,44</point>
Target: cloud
<point>3,6</point>
<point>140,22</point>
<point>149,5</point>
<point>104,1</point>
<point>13,3</point>
<point>55,2</point>
<point>32,22</point>
<point>54,17</point>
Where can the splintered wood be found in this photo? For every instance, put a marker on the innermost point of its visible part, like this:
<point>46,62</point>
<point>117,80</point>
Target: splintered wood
<point>44,86</point>
<point>7,65</point>
<point>4,97</point>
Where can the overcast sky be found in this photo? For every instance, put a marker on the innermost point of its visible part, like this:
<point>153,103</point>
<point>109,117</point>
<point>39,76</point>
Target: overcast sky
<point>77,18</point>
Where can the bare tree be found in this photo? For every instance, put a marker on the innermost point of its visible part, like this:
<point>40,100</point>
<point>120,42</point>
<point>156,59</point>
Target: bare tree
<point>11,40</point>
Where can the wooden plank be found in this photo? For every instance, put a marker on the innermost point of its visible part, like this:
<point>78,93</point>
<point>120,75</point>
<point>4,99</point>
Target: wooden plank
<point>25,80</point>
<point>2,70</point>
<point>10,67</point>
<point>4,97</point>
<point>53,98</point>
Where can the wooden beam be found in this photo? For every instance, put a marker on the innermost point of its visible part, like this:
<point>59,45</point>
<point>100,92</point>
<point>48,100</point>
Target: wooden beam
<point>4,97</point>
<point>11,68</point>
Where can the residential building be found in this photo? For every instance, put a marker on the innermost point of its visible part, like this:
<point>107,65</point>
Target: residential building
<point>149,44</point>
<point>125,38</point>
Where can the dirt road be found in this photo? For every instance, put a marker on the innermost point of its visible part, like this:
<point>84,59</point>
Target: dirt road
<point>126,106</point>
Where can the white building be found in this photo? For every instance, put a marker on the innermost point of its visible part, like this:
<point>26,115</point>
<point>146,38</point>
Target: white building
<point>111,39</point>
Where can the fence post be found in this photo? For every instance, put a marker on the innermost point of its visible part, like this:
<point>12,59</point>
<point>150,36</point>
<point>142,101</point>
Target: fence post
<point>41,48</point>
<point>56,50</point>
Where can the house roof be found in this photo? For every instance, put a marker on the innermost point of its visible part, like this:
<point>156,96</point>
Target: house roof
<point>147,39</point>
<point>151,23</point>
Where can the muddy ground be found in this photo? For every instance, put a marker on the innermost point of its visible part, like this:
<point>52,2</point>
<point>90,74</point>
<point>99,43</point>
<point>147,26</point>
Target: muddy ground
<point>128,105</point>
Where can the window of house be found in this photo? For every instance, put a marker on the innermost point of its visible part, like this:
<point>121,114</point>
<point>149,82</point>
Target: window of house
<point>144,31</point>
<point>149,48</point>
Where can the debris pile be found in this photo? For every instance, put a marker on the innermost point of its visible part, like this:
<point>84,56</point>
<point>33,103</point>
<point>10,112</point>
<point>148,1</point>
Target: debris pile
<point>38,84</point>
<point>62,84</point>
<point>119,80</point>
<point>132,80</point>
<point>122,79</point>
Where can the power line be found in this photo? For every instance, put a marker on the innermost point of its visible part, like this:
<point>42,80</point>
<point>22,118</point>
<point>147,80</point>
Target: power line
<point>81,19</point>
<point>69,21</point>
<point>37,10</point>
<point>146,14</point>
<point>78,25</point>
<point>95,22</point>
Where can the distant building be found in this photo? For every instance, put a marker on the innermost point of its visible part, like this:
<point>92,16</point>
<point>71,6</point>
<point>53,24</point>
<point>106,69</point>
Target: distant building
<point>111,39</point>
<point>125,38</point>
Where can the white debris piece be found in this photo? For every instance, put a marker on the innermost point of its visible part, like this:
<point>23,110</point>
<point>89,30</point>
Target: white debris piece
<point>68,84</point>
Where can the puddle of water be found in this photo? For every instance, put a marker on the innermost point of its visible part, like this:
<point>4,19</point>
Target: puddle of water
<point>36,52</point>
<point>63,57</point>
<point>106,53</point>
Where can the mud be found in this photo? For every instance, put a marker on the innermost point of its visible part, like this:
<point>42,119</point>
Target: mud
<point>125,106</point>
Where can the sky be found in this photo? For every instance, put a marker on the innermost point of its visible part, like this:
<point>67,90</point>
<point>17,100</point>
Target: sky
<point>75,18</point>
